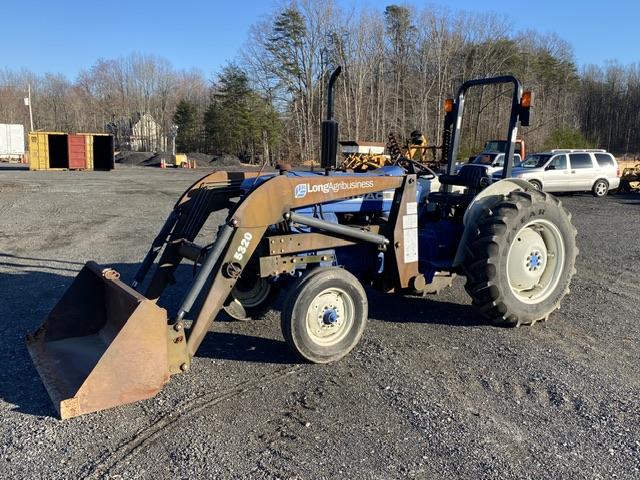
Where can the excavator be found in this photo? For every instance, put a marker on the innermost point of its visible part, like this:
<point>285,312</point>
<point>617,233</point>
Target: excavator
<point>320,237</point>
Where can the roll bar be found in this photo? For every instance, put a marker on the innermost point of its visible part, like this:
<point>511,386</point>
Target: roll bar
<point>519,115</point>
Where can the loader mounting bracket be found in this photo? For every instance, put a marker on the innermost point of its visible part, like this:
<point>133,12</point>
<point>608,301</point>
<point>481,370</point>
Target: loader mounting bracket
<point>178,357</point>
<point>277,264</point>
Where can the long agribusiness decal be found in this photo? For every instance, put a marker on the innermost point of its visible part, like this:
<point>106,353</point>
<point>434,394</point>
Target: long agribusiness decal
<point>302,189</point>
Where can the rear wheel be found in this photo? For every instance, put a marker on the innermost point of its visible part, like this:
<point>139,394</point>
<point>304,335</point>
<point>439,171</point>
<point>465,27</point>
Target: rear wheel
<point>600,188</point>
<point>324,315</point>
<point>536,184</point>
<point>521,263</point>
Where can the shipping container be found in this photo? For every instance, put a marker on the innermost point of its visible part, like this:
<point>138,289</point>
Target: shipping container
<point>100,151</point>
<point>11,142</point>
<point>67,151</point>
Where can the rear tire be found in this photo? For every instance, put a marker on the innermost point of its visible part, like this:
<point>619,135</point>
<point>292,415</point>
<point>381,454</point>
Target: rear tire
<point>536,184</point>
<point>600,188</point>
<point>522,260</point>
<point>324,315</point>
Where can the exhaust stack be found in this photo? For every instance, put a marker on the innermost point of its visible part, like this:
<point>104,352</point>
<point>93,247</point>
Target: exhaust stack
<point>329,131</point>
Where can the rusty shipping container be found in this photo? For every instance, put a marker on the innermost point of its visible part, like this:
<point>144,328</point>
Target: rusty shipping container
<point>77,151</point>
<point>68,151</point>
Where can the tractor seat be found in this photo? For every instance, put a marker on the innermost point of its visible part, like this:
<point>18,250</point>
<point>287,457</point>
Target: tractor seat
<point>451,199</point>
<point>474,177</point>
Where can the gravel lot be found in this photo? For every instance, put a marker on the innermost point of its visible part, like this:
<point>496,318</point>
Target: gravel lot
<point>431,392</point>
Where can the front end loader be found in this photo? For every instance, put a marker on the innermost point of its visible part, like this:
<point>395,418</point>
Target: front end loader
<point>320,237</point>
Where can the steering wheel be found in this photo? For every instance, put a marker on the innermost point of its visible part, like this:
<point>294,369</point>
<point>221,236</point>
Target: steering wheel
<point>417,168</point>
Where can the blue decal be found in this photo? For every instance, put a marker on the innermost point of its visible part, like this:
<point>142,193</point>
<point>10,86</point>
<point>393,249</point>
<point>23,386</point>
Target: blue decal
<point>300,191</point>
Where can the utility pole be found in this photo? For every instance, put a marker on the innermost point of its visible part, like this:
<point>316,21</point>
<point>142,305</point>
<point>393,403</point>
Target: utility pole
<point>173,133</point>
<point>27,102</point>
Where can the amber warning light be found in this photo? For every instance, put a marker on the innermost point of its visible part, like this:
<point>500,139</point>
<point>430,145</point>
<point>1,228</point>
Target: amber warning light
<point>527,99</point>
<point>448,105</point>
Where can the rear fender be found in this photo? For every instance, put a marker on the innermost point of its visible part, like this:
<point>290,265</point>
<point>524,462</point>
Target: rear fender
<point>487,198</point>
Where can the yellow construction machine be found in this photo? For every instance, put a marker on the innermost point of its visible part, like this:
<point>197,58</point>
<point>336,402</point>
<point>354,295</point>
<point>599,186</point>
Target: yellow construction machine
<point>629,176</point>
<point>361,156</point>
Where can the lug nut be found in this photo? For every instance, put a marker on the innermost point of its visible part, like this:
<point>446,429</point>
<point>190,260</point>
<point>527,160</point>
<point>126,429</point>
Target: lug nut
<point>184,367</point>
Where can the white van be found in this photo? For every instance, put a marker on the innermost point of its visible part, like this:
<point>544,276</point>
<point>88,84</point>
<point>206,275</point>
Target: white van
<point>571,170</point>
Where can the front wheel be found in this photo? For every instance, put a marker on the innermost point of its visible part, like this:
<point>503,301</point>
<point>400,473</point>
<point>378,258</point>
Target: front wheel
<point>251,297</point>
<point>521,262</point>
<point>324,315</point>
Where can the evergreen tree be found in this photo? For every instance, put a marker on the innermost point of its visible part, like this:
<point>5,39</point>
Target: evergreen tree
<point>185,118</point>
<point>238,121</point>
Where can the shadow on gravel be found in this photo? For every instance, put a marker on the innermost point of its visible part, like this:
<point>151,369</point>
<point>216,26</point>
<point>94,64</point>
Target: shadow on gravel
<point>245,348</point>
<point>30,287</point>
<point>627,198</point>
<point>400,309</point>
<point>12,167</point>
<point>632,198</point>
<point>27,297</point>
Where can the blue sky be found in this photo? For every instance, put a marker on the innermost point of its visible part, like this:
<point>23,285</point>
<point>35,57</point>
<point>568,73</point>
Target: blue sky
<point>67,35</point>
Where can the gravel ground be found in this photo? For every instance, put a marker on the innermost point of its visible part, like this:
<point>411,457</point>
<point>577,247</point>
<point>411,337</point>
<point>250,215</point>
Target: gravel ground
<point>431,392</point>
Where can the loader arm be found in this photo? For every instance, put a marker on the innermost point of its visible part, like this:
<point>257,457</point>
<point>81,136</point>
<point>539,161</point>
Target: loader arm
<point>264,206</point>
<point>209,194</point>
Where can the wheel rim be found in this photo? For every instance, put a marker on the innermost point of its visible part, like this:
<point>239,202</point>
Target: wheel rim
<point>535,261</point>
<point>601,189</point>
<point>536,185</point>
<point>330,316</point>
<point>251,294</point>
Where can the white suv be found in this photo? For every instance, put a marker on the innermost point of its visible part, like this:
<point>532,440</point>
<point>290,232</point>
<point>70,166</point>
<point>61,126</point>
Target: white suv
<point>571,171</point>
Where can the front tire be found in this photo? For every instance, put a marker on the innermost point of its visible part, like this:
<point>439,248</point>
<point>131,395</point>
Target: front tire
<point>521,262</point>
<point>324,315</point>
<point>600,188</point>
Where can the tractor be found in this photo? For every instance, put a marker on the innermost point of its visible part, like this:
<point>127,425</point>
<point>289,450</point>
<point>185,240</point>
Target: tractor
<point>319,237</point>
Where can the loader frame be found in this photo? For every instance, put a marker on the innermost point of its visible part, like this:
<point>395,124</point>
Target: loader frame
<point>245,231</point>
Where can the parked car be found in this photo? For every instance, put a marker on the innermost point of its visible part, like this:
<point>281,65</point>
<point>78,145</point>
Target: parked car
<point>575,170</point>
<point>494,161</point>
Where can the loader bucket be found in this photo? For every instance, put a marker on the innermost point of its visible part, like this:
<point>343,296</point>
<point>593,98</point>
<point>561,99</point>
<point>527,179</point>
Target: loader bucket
<point>101,346</point>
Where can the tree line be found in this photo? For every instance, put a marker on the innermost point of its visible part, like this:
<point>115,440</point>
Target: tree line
<point>399,64</point>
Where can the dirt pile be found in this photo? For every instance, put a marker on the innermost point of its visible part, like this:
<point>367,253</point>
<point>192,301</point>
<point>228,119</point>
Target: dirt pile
<point>225,161</point>
<point>153,159</point>
<point>144,159</point>
<point>201,159</point>
<point>157,158</point>
<point>133,158</point>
